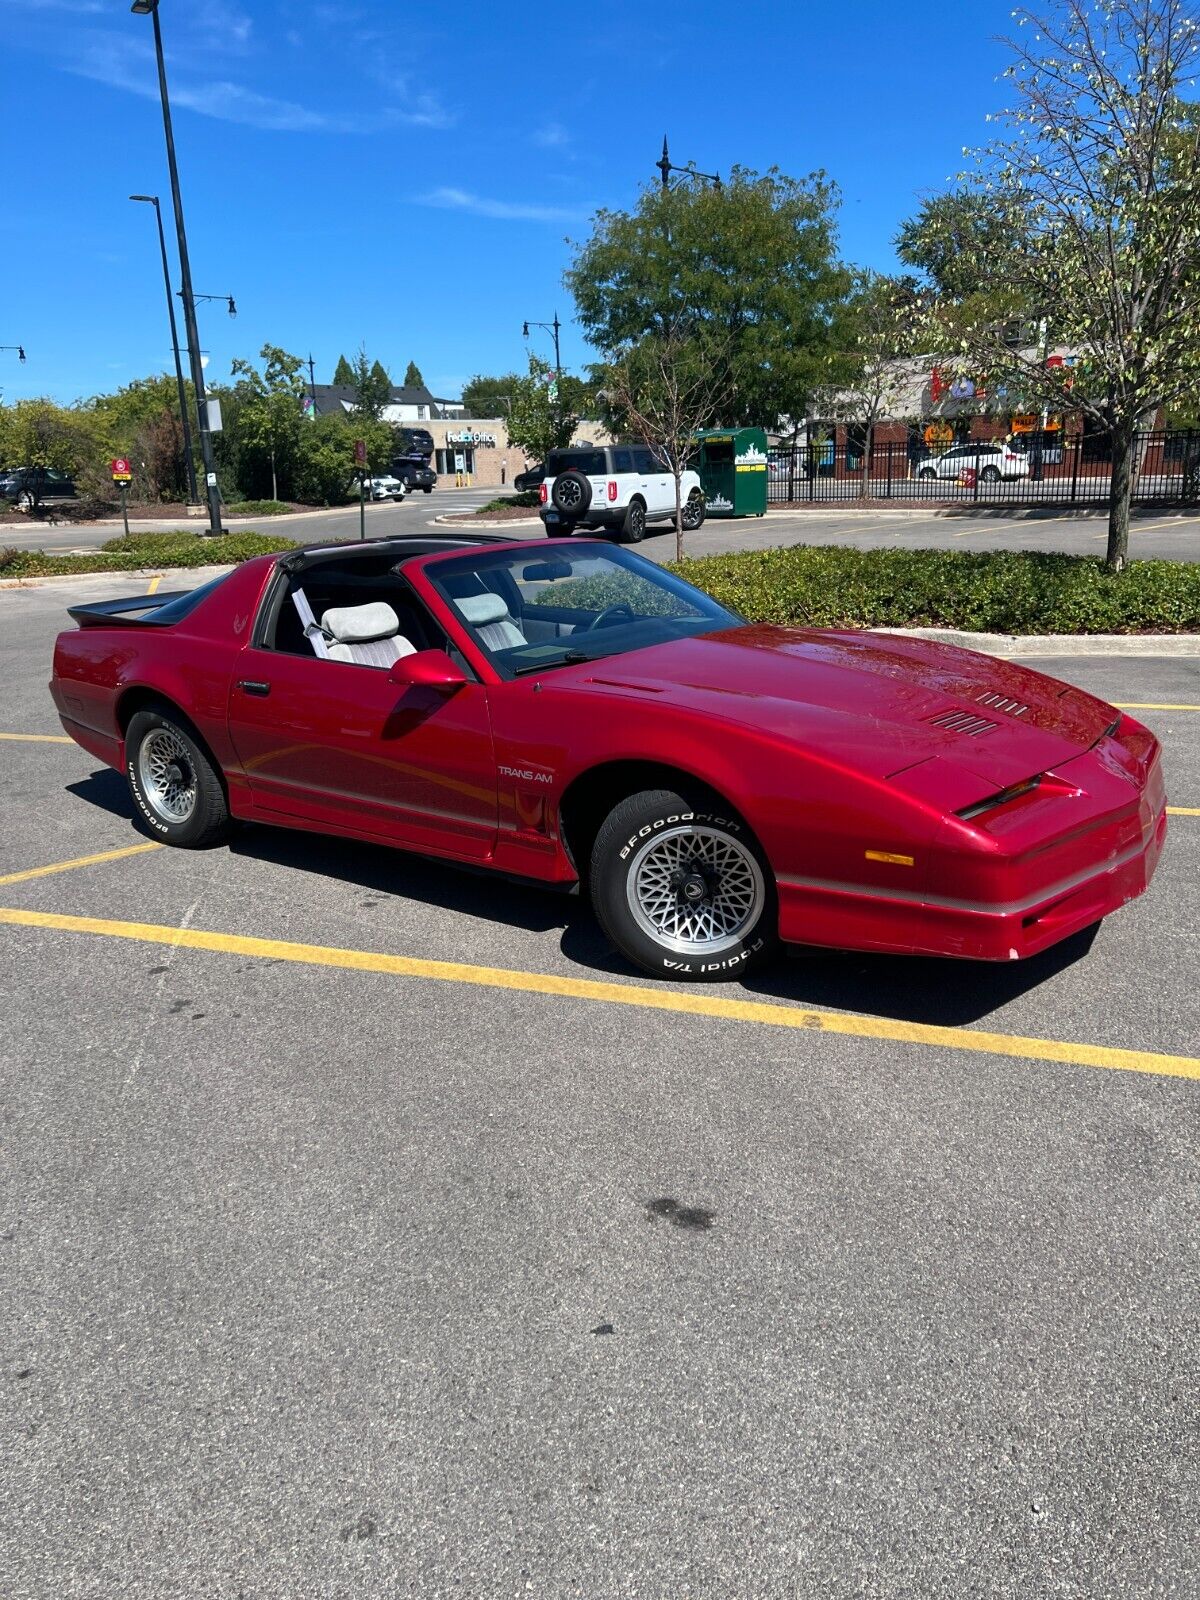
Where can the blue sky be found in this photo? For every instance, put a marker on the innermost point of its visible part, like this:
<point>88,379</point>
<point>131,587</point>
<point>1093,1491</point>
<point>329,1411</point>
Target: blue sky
<point>407,177</point>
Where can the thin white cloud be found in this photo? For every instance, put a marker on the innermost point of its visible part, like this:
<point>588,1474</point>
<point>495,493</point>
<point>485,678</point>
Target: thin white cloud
<point>500,210</point>
<point>552,136</point>
<point>113,64</point>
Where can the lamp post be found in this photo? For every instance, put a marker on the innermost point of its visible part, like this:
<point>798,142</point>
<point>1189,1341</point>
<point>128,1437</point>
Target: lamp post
<point>193,494</point>
<point>553,327</point>
<point>228,298</point>
<point>19,348</point>
<point>150,8</point>
<point>666,167</point>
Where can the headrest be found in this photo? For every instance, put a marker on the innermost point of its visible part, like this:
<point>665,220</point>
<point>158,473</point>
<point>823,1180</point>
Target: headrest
<point>483,608</point>
<point>360,624</point>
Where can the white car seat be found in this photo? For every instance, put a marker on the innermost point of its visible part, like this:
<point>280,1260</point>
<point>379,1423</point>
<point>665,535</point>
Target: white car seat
<point>367,635</point>
<point>489,616</point>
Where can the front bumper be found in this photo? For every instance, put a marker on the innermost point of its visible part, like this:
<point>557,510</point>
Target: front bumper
<point>811,912</point>
<point>1041,881</point>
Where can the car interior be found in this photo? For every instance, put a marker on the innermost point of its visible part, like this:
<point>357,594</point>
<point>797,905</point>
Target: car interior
<point>364,612</point>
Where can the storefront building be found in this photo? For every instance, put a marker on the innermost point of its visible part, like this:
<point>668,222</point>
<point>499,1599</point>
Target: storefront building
<point>480,451</point>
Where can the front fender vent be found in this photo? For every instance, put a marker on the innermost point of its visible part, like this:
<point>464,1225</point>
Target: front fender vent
<point>965,722</point>
<point>1001,702</point>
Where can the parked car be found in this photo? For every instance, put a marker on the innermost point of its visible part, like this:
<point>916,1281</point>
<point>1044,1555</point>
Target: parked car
<point>383,486</point>
<point>415,473</point>
<point>576,715</point>
<point>415,442</point>
<point>531,478</point>
<point>619,487</point>
<point>991,461</point>
<point>25,485</point>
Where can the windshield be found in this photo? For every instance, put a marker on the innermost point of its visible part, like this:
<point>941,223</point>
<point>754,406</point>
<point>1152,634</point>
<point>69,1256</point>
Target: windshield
<point>530,612</point>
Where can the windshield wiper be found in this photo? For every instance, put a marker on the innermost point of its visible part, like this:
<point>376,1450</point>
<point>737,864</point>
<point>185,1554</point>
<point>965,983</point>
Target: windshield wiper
<point>571,659</point>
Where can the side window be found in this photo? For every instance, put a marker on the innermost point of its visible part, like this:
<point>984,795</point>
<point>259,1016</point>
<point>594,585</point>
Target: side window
<point>622,461</point>
<point>644,463</point>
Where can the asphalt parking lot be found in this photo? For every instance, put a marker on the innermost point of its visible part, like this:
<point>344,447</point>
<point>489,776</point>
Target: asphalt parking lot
<point>370,1228</point>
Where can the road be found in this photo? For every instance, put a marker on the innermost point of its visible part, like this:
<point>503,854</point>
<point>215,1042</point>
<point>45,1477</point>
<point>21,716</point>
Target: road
<point>339,1263</point>
<point>1161,535</point>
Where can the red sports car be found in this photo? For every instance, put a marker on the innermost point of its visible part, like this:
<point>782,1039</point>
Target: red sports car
<point>578,716</point>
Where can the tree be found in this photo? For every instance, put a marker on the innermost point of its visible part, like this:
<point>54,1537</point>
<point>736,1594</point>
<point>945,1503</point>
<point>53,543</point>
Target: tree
<point>412,376</point>
<point>343,373</point>
<point>46,437</point>
<point>539,420</point>
<point>751,265</point>
<point>270,417</point>
<point>665,389</point>
<point>489,397</point>
<point>1098,162</point>
<point>959,243</point>
<point>372,387</point>
<point>870,375</point>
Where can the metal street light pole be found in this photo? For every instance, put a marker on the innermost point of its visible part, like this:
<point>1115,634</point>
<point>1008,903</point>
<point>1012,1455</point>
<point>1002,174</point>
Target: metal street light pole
<point>666,167</point>
<point>19,348</point>
<point>554,328</point>
<point>141,8</point>
<point>193,493</point>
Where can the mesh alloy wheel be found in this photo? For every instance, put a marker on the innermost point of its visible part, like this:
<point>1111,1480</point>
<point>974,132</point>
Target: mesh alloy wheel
<point>695,891</point>
<point>167,776</point>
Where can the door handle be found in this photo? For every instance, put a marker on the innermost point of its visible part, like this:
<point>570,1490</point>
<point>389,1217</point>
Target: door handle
<point>251,687</point>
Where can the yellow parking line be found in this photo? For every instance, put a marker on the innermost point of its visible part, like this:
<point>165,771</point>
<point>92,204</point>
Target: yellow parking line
<point>694,1003</point>
<point>1183,811</point>
<point>154,583</point>
<point>80,861</point>
<point>1146,705</point>
<point>39,738</point>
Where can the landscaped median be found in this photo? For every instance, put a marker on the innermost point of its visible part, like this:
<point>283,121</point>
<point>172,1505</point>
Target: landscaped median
<point>994,591</point>
<point>139,551</point>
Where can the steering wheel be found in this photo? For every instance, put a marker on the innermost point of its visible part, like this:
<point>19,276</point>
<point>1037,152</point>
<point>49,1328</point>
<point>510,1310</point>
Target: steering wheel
<point>600,620</point>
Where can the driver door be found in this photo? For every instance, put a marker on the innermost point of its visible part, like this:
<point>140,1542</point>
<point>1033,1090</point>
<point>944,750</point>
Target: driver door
<point>338,745</point>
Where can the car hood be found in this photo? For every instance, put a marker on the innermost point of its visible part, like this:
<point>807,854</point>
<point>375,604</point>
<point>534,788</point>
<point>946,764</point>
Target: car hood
<point>883,702</point>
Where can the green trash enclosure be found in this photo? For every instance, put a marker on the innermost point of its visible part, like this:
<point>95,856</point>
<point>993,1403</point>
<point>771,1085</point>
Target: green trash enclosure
<point>732,463</point>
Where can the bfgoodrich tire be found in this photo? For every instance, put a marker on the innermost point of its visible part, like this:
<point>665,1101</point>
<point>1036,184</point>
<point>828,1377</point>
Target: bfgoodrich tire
<point>172,779</point>
<point>681,887</point>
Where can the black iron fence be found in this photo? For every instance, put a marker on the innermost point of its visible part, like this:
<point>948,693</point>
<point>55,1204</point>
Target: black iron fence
<point>1074,471</point>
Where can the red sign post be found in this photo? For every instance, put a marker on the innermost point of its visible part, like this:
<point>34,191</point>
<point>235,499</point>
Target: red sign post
<point>121,474</point>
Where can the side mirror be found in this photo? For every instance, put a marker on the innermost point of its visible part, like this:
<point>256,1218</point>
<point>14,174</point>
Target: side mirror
<point>431,668</point>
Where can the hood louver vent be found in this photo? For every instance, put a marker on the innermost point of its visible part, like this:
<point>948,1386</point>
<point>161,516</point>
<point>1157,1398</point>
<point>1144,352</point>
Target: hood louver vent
<point>1000,702</point>
<point>963,722</point>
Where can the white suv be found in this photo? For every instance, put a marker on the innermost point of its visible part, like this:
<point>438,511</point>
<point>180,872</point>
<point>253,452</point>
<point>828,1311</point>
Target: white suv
<point>991,461</point>
<point>619,487</point>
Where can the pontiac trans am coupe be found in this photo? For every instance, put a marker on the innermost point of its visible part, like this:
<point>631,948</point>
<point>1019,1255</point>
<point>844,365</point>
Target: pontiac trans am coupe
<point>580,717</point>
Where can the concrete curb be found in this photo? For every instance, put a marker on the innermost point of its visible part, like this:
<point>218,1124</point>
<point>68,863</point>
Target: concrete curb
<point>192,576</point>
<point>1060,644</point>
<point>450,521</point>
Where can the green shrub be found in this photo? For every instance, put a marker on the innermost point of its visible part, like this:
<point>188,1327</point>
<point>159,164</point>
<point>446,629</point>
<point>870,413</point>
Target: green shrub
<point>140,550</point>
<point>257,508</point>
<point>994,591</point>
<point>525,497</point>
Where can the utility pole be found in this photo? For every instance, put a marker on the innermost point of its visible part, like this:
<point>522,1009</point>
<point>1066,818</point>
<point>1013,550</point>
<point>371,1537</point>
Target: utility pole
<point>189,460</point>
<point>312,385</point>
<point>212,494</point>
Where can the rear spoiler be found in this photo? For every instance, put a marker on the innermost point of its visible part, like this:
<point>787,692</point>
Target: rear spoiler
<point>132,610</point>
